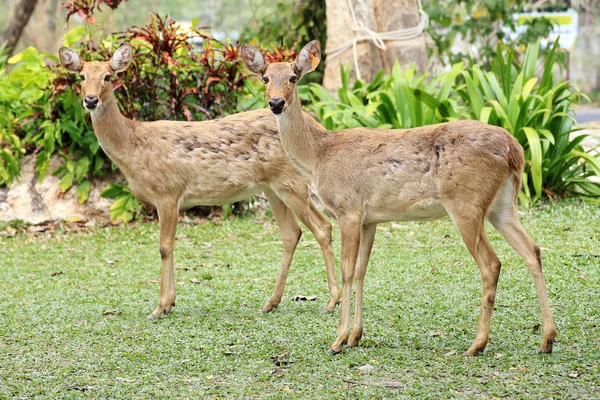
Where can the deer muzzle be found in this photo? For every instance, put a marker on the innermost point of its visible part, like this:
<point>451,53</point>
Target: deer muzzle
<point>90,102</point>
<point>277,105</point>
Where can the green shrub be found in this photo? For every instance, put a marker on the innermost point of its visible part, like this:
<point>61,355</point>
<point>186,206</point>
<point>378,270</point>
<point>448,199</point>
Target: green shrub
<point>125,205</point>
<point>403,99</point>
<point>535,111</point>
<point>24,104</point>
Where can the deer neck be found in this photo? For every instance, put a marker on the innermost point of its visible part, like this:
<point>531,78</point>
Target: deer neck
<point>302,137</point>
<point>113,130</point>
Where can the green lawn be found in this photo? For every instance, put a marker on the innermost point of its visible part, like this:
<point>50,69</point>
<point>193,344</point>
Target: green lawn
<point>422,293</point>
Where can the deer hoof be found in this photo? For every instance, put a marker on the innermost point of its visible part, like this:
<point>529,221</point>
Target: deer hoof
<point>473,352</point>
<point>546,346</point>
<point>330,307</point>
<point>269,307</point>
<point>160,311</point>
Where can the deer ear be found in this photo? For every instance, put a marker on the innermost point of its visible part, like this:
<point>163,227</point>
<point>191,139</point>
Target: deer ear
<point>121,58</point>
<point>70,60</point>
<point>253,59</point>
<point>309,58</point>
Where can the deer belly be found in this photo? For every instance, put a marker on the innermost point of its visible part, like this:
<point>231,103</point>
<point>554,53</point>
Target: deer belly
<point>214,197</point>
<point>426,210</point>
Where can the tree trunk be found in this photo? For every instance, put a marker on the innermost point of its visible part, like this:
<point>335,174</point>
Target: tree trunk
<point>18,22</point>
<point>380,16</point>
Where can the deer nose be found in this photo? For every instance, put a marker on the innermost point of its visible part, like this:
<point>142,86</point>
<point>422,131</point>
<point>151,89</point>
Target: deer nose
<point>276,105</point>
<point>90,102</point>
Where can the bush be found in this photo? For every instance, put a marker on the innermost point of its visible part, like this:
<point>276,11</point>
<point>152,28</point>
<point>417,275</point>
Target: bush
<point>24,114</point>
<point>535,111</point>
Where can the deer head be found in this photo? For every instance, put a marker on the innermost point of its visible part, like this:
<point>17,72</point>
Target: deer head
<point>96,86</point>
<point>281,78</point>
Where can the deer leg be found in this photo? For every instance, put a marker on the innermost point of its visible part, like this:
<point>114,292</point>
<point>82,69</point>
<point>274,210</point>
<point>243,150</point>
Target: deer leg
<point>507,223</point>
<point>367,236</point>
<point>321,228</point>
<point>168,214</point>
<point>472,232</point>
<point>290,235</point>
<point>300,203</point>
<point>350,227</point>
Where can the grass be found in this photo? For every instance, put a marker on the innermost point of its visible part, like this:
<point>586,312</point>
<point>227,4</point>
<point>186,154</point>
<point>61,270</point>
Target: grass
<point>421,305</point>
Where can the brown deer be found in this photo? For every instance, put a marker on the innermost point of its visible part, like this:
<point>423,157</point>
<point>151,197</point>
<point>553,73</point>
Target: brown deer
<point>175,165</point>
<point>465,169</point>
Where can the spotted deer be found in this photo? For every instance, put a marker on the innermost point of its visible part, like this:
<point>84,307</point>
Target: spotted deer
<point>465,169</point>
<point>174,165</point>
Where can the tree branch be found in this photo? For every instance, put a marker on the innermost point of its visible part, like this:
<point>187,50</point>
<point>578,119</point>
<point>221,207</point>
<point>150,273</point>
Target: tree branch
<point>17,24</point>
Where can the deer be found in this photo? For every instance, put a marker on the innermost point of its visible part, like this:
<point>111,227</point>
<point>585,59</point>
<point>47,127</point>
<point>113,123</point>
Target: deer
<point>467,170</point>
<point>174,165</point>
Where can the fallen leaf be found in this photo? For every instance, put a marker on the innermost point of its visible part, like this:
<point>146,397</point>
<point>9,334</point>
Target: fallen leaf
<point>498,355</point>
<point>450,353</point>
<point>154,281</point>
<point>366,368</point>
<point>574,375</point>
<point>113,312</point>
<point>200,282</point>
<point>56,273</point>
<point>38,228</point>
<point>304,298</point>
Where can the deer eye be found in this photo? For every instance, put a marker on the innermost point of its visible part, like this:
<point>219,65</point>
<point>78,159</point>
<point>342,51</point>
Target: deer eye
<point>82,77</point>
<point>294,79</point>
<point>107,78</point>
<point>265,79</point>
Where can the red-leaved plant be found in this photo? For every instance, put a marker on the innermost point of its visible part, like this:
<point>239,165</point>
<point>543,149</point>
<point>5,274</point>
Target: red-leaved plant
<point>86,8</point>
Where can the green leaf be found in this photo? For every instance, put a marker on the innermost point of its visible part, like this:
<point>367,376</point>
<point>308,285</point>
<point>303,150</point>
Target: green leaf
<point>536,159</point>
<point>83,191</point>
<point>112,191</point>
<point>81,168</point>
<point>528,87</point>
<point>42,163</point>
<point>474,96</point>
<point>73,36</point>
<point>591,160</point>
<point>66,182</point>
<point>484,116</point>
<point>119,210</point>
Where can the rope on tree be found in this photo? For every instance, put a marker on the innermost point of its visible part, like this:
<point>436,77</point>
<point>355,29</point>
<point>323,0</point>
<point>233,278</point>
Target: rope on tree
<point>362,33</point>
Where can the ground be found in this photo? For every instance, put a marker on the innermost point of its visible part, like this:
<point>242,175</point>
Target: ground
<point>74,306</point>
